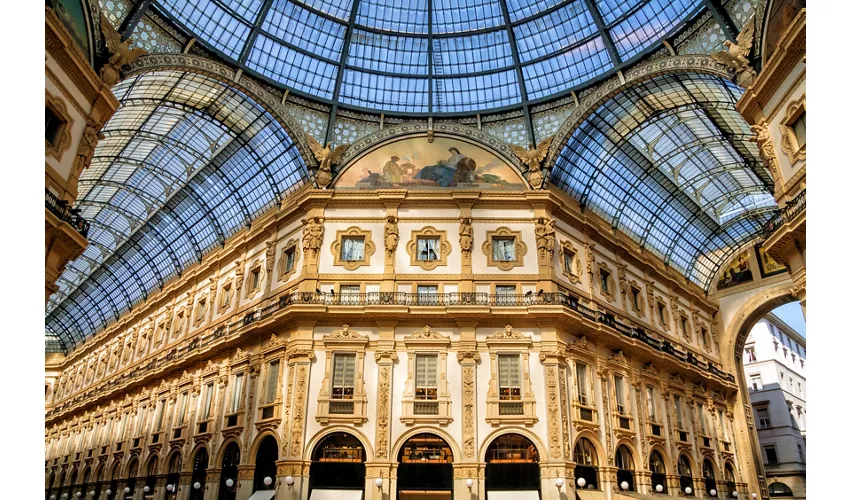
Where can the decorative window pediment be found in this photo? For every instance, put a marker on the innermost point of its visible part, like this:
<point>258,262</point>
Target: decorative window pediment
<point>510,399</point>
<point>607,283</point>
<point>793,128</point>
<point>288,260</point>
<point>353,248</point>
<point>428,248</point>
<point>201,308</point>
<point>504,249</point>
<point>254,279</point>
<point>342,398</point>
<point>637,304</point>
<point>225,299</point>
<point>570,262</point>
<point>426,393</point>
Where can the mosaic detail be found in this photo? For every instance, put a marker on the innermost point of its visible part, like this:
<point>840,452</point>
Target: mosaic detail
<point>312,121</point>
<point>546,123</point>
<point>347,131</point>
<point>149,36</point>
<point>510,131</point>
<point>115,10</point>
<point>740,11</point>
<point>708,38</point>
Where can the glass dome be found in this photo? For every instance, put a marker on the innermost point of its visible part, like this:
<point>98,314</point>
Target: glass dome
<point>434,56</point>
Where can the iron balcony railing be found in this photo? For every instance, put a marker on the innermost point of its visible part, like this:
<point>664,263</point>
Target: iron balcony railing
<point>60,209</point>
<point>787,214</point>
<point>460,299</point>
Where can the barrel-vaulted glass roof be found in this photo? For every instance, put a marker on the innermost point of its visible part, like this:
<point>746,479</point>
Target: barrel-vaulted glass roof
<point>185,162</point>
<point>668,161</point>
<point>431,56</point>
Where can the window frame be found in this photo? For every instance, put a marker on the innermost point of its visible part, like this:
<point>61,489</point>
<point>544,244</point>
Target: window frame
<point>429,232</point>
<point>520,248</point>
<point>504,412</point>
<point>368,248</point>
<point>790,145</point>
<point>426,341</point>
<point>332,410</point>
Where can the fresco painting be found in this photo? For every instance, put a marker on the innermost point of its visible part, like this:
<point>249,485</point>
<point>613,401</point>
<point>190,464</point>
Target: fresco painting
<point>415,163</point>
<point>737,273</point>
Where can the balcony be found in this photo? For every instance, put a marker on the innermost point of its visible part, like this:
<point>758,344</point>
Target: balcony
<point>65,213</point>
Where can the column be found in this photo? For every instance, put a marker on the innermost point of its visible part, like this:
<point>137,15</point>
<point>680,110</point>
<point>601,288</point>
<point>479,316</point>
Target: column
<point>385,356</point>
<point>212,483</point>
<point>245,481</point>
<point>184,483</point>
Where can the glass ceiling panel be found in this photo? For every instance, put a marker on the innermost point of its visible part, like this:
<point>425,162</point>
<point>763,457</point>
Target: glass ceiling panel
<point>656,162</point>
<point>325,51</point>
<point>186,161</point>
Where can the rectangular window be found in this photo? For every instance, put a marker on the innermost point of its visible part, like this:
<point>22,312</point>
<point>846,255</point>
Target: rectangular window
<point>181,409</point>
<point>650,403</point>
<point>349,294</point>
<point>569,259</point>
<point>684,323</point>
<point>202,309</point>
<point>770,453</point>
<point>427,249</point>
<point>755,381</point>
<point>426,294</point>
<point>206,404</point>
<point>343,376</point>
<point>353,248</point>
<point>722,420</point>
<point>800,454</point>
<point>121,427</point>
<point>763,417</point>
<point>509,377</point>
<point>426,377</point>
<point>701,411</point>
<point>704,335</point>
<point>505,294</point>
<point>158,416</point>
<point>140,420</point>
<point>661,318</point>
<point>620,394</point>
<point>271,381</point>
<point>750,354</point>
<point>255,279</point>
<point>226,295</point>
<point>52,126</point>
<point>236,393</point>
<point>799,127</point>
<point>636,299</point>
<point>289,259</point>
<point>582,384</point>
<point>677,403</point>
<point>503,249</point>
<point>604,276</point>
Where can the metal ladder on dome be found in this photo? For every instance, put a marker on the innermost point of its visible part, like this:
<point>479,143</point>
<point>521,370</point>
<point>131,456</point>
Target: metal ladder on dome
<point>438,72</point>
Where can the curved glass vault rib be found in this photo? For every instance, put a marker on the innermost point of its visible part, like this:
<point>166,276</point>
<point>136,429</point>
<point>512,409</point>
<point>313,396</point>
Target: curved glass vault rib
<point>442,56</point>
<point>669,163</point>
<point>185,162</point>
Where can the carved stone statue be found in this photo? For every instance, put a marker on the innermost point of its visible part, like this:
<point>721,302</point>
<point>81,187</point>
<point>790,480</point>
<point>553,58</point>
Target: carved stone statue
<point>544,231</point>
<point>391,235</point>
<point>736,56</point>
<point>466,236</point>
<point>113,358</point>
<point>533,158</point>
<point>128,350</point>
<point>239,277</point>
<point>143,340</point>
<point>327,158</point>
<point>88,143</point>
<point>101,368</point>
<point>270,249</point>
<point>767,150</point>
<point>121,53</point>
<point>311,240</point>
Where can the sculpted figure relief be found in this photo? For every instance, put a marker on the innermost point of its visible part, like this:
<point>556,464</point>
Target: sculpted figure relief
<point>121,53</point>
<point>466,236</point>
<point>533,158</point>
<point>767,150</point>
<point>311,240</point>
<point>391,234</point>
<point>544,231</point>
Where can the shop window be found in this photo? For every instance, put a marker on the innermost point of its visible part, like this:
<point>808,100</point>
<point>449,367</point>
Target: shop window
<point>587,463</point>
<point>512,463</point>
<point>686,480</point>
<point>625,463</point>
<point>338,463</point>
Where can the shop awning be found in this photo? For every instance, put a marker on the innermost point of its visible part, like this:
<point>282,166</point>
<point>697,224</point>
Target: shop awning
<point>262,495</point>
<point>336,494</point>
<point>513,495</point>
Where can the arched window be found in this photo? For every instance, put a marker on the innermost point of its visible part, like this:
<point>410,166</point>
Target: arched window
<point>60,484</point>
<point>708,474</point>
<point>779,490</point>
<point>686,475</point>
<point>729,476</point>
<point>173,478</point>
<point>425,465</point>
<point>512,464</point>
<point>338,463</point>
<point>265,464</point>
<point>199,475</point>
<point>625,468</point>
<point>585,457</point>
<point>132,472</point>
<point>229,471</point>
<point>150,480</point>
<point>659,472</point>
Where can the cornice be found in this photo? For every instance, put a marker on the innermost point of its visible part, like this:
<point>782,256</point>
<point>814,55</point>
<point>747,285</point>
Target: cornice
<point>790,51</point>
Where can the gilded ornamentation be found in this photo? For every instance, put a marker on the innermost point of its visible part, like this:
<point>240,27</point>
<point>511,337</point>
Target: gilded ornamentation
<point>767,150</point>
<point>391,236</point>
<point>368,248</point>
<point>736,56</point>
<point>326,158</point>
<point>544,233</point>
<point>511,261</point>
<point>382,437</point>
<point>533,158</point>
<point>311,237</point>
<point>429,263</point>
<point>120,53</point>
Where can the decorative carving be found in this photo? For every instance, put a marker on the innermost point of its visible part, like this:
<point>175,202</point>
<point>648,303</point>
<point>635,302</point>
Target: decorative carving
<point>88,143</point>
<point>426,334</point>
<point>520,249</point>
<point>120,53</point>
<point>298,410</point>
<point>468,355</point>
<point>368,248</point>
<point>736,56</point>
<point>544,233</point>
<point>327,158</point>
<point>509,334</point>
<point>581,343</point>
<point>383,416</point>
<point>284,445</point>
<point>311,235</point>
<point>345,333</point>
<point>533,158</point>
<point>607,285</point>
<point>63,134</point>
<point>767,151</point>
<point>591,260</point>
<point>552,407</point>
<point>466,238</point>
<point>790,144</point>
<point>468,402</point>
<point>391,236</point>
<point>429,263</point>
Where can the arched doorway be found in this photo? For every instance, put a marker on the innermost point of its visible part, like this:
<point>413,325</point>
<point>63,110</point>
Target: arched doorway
<point>513,466</point>
<point>338,468</point>
<point>729,476</point>
<point>686,475</point>
<point>50,479</point>
<point>173,477</point>
<point>425,468</point>
<point>265,464</point>
<point>113,481</point>
<point>84,489</point>
<point>72,483</point>
<point>587,464</point>
<point>708,474</point>
<point>199,475</point>
<point>132,473</point>
<point>150,480</point>
<point>98,482</point>
<point>229,472</point>
<point>60,484</point>
<point>625,468</point>
<point>659,472</point>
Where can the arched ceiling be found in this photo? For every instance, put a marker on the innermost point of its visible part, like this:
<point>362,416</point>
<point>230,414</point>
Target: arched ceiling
<point>185,162</point>
<point>435,56</point>
<point>668,161</point>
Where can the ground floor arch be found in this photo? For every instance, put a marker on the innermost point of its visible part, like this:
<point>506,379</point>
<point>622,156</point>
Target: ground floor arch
<point>337,467</point>
<point>512,465</point>
<point>425,467</point>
